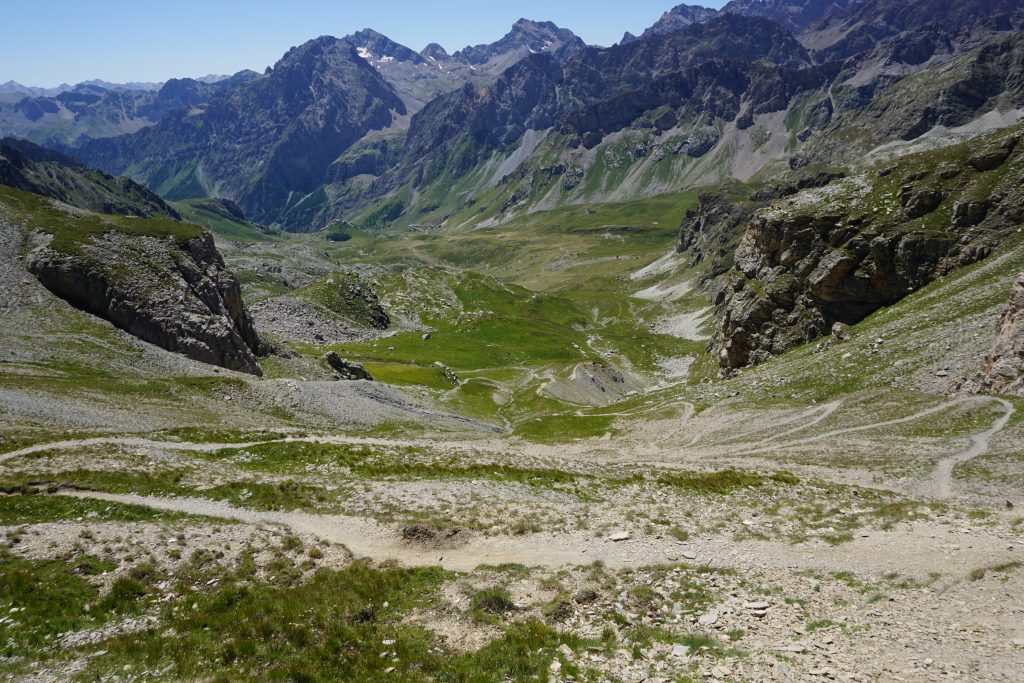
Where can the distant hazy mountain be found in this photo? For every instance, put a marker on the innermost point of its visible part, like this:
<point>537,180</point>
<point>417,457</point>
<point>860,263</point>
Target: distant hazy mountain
<point>92,110</point>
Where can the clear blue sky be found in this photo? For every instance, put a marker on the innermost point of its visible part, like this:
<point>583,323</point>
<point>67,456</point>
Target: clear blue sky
<point>47,42</point>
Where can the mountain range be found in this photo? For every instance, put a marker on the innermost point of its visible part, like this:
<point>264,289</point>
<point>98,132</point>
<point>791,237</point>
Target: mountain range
<point>364,128</point>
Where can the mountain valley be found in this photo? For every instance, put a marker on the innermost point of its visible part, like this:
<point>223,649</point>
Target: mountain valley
<point>698,357</point>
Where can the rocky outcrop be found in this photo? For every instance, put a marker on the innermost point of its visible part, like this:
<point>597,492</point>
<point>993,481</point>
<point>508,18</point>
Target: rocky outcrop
<point>838,253</point>
<point>179,296</point>
<point>1002,371</point>
<point>710,233</point>
<point>793,283</point>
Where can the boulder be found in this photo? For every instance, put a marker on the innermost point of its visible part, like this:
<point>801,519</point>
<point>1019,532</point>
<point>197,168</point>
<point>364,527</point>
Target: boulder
<point>347,369</point>
<point>968,214</point>
<point>993,157</point>
<point>923,202</point>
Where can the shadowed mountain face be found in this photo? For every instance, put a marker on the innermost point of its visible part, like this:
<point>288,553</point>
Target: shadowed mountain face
<point>266,144</point>
<point>794,15</point>
<point>25,166</point>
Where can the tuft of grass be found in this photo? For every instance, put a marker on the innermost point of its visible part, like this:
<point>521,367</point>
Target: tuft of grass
<point>42,598</point>
<point>1001,568</point>
<point>493,601</point>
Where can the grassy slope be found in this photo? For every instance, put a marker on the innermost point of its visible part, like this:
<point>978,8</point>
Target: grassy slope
<point>200,212</point>
<point>70,232</point>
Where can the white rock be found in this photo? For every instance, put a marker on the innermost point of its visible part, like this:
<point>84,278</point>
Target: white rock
<point>709,618</point>
<point>619,536</point>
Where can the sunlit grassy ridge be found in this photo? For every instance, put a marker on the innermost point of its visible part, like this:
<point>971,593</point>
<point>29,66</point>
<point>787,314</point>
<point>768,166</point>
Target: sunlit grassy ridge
<point>71,231</point>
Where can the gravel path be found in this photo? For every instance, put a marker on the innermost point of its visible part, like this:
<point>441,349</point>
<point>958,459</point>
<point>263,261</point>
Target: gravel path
<point>913,550</point>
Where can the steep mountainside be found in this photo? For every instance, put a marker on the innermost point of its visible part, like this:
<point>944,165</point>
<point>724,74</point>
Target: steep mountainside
<point>862,25</point>
<point>881,118</point>
<point>25,166</point>
<point>794,15</point>
<point>458,132</point>
<point>268,144</point>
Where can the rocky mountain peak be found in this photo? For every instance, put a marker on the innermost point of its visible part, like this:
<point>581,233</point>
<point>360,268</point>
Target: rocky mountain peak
<point>435,52</point>
<point>676,18</point>
<point>525,37</point>
<point>377,48</point>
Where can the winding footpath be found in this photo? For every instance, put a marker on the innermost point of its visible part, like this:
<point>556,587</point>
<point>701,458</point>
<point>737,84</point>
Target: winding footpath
<point>942,481</point>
